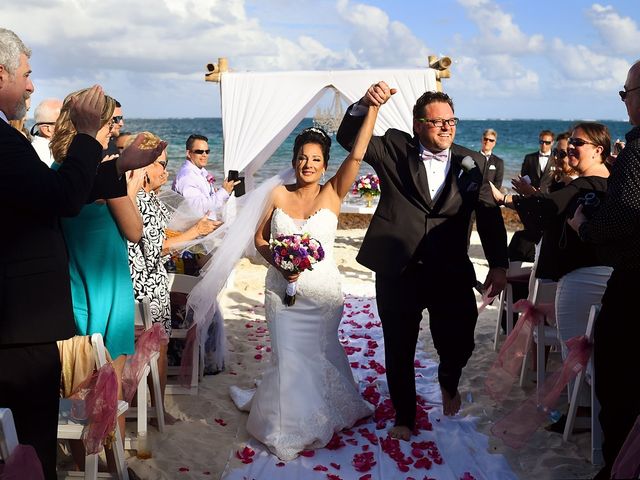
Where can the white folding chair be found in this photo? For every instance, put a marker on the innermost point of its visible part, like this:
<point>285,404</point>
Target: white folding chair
<point>518,272</point>
<point>8,435</point>
<point>180,283</point>
<point>143,411</point>
<point>544,292</point>
<point>69,430</point>
<point>588,376</point>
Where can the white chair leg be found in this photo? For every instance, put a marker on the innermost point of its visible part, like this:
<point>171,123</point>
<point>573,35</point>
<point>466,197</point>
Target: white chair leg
<point>596,430</point>
<point>499,320</point>
<point>142,415</point>
<point>91,467</point>
<point>540,364</point>
<point>573,407</point>
<point>157,393</point>
<point>118,454</point>
<point>525,361</point>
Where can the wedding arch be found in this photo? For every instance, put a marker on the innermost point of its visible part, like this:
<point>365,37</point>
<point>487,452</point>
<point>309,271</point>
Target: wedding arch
<point>261,109</point>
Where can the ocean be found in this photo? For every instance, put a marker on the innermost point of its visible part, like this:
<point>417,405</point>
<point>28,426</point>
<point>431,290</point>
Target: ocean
<point>516,138</point>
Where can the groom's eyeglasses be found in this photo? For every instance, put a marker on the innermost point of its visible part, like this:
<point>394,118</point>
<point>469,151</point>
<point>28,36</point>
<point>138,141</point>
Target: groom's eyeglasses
<point>201,152</point>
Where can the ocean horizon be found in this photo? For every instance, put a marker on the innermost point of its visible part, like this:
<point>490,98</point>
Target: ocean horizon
<point>516,138</point>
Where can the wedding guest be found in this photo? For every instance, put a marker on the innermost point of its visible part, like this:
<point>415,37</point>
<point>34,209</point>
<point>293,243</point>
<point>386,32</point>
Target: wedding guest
<point>19,123</point>
<point>118,123</point>
<point>537,165</point>
<point>101,286</point>
<point>123,140</point>
<point>33,198</point>
<point>45,115</point>
<point>494,167</point>
<point>615,231</point>
<point>147,257</point>
<point>429,189</point>
<point>195,183</point>
<point>581,275</point>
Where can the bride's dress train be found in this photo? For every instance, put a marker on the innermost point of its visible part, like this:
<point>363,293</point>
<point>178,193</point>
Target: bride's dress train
<point>308,392</point>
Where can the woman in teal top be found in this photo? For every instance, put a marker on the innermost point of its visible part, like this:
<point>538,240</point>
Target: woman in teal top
<point>101,285</point>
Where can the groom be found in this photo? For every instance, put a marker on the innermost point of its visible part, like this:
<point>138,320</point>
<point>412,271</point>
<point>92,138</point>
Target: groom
<point>417,244</point>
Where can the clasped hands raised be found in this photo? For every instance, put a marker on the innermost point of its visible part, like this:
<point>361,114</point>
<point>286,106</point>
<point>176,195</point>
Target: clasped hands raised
<point>86,113</point>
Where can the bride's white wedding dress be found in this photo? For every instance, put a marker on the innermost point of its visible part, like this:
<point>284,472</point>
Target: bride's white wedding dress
<point>308,392</point>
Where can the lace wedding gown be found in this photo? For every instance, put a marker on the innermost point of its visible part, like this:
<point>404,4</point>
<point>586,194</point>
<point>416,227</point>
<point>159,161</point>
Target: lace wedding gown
<point>308,392</point>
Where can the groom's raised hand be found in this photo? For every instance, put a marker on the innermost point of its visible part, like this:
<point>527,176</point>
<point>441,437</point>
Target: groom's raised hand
<point>377,94</point>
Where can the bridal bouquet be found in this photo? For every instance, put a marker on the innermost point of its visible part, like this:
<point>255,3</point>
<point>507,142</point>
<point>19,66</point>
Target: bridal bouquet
<point>367,185</point>
<point>295,253</point>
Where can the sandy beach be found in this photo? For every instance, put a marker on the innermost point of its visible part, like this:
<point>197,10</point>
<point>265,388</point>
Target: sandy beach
<point>202,445</point>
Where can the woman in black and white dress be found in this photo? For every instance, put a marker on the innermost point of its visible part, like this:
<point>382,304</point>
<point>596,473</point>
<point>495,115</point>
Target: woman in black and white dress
<point>148,256</point>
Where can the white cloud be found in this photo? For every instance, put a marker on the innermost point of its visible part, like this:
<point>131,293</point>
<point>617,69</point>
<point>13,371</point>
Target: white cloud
<point>620,34</point>
<point>377,41</point>
<point>499,33</point>
<point>581,67</point>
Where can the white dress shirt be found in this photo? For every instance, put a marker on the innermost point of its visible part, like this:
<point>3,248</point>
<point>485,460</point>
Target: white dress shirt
<point>192,183</point>
<point>436,172</point>
<point>543,160</point>
<point>41,146</point>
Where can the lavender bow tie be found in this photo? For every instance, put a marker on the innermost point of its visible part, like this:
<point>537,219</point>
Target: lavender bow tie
<point>442,156</point>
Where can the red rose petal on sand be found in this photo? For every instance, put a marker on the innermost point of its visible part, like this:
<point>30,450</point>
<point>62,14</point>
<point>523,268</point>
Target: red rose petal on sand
<point>183,469</point>
<point>331,476</point>
<point>307,453</point>
<point>280,464</point>
<point>220,421</point>
<point>335,465</point>
<point>320,468</point>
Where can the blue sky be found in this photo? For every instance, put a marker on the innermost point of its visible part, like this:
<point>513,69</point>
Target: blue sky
<point>563,59</point>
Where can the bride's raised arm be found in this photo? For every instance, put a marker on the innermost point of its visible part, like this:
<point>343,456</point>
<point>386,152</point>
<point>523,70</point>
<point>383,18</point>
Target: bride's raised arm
<point>346,174</point>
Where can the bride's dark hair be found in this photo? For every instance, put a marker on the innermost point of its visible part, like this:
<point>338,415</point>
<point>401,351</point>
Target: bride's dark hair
<point>313,135</point>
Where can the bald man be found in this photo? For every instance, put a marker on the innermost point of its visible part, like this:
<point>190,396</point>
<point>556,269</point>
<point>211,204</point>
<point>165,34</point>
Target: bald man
<point>46,114</point>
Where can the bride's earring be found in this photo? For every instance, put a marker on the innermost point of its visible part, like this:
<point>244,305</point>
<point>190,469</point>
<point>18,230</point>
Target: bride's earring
<point>323,176</point>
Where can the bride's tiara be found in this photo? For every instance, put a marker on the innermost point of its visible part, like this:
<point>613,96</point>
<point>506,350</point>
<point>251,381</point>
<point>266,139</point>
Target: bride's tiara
<point>315,130</point>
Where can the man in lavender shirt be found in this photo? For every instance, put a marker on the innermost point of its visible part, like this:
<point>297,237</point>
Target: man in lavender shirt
<point>195,183</point>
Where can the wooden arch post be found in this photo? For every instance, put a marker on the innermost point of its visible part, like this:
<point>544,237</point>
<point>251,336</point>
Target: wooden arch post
<point>214,70</point>
<point>441,66</point>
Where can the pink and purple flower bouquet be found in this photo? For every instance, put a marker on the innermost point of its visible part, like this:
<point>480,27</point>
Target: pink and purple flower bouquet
<point>368,184</point>
<point>295,253</point>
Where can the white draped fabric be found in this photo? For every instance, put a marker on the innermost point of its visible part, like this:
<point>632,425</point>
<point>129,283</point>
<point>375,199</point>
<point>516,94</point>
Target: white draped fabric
<point>259,110</point>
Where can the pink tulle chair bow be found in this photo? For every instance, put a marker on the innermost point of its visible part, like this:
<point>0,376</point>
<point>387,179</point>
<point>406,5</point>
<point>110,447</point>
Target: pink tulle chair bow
<point>516,428</point>
<point>96,402</point>
<point>507,366</point>
<point>627,464</point>
<point>148,343</point>
<point>22,464</point>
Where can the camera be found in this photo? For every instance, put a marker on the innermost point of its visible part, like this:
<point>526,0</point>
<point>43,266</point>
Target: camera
<point>590,203</point>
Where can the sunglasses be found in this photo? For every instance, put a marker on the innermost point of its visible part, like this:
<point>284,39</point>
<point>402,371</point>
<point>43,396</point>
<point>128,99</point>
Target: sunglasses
<point>561,154</point>
<point>36,125</point>
<point>545,142</point>
<point>489,139</point>
<point>118,119</point>
<point>163,163</point>
<point>578,142</point>
<point>623,93</point>
<point>201,152</point>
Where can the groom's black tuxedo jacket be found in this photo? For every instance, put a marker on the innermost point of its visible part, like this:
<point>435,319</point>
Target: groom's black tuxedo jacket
<point>409,225</point>
<point>531,166</point>
<point>35,296</point>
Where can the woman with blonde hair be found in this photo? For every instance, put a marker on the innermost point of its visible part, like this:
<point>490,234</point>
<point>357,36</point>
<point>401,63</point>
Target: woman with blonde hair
<point>101,286</point>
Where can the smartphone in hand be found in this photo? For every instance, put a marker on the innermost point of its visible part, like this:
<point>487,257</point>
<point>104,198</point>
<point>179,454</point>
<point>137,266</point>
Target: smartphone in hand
<point>239,188</point>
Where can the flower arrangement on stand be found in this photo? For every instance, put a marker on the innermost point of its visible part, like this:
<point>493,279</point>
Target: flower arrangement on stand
<point>367,186</point>
<point>295,253</point>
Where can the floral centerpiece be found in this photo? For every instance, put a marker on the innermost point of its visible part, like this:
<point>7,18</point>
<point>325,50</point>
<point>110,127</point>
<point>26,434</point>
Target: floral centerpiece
<point>367,186</point>
<point>295,253</point>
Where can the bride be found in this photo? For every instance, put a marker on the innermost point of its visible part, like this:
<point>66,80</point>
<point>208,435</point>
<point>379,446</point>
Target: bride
<point>308,392</point>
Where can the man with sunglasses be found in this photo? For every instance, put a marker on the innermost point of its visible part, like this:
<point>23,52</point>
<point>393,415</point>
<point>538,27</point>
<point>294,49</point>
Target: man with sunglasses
<point>537,165</point>
<point>417,244</point>
<point>46,114</point>
<point>117,123</point>
<point>615,229</point>
<point>195,183</point>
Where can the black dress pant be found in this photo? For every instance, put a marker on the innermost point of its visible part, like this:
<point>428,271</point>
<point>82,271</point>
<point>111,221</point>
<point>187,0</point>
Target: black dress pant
<point>30,387</point>
<point>615,356</point>
<point>452,319</point>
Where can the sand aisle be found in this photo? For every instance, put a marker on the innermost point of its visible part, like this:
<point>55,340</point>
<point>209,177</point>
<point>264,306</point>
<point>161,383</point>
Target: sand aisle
<point>212,430</point>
